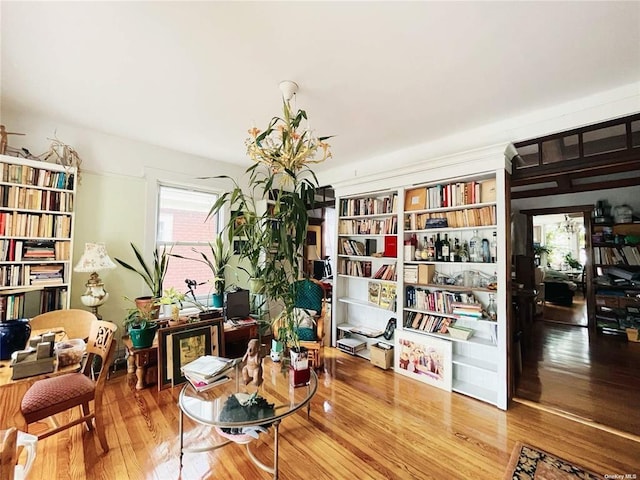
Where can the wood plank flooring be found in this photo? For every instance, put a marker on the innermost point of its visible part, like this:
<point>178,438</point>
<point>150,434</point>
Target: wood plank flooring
<point>596,378</point>
<point>365,423</point>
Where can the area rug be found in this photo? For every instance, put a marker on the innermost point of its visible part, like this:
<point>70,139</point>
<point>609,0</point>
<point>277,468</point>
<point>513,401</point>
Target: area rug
<point>531,463</point>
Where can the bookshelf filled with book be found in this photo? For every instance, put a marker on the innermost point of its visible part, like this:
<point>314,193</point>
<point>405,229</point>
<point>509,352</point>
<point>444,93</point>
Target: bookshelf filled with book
<point>36,232</point>
<point>616,264</point>
<point>450,276</point>
<point>366,269</point>
<point>451,266</point>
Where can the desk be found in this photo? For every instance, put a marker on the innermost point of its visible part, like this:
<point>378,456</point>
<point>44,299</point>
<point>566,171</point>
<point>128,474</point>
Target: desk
<point>207,408</point>
<point>236,338</point>
<point>12,391</point>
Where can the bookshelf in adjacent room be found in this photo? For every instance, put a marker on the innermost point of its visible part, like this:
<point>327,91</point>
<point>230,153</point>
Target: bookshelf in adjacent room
<point>366,278</point>
<point>36,231</point>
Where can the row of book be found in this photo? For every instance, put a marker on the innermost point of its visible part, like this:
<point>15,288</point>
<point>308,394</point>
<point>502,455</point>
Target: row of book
<point>382,294</point>
<point>427,323</point>
<point>369,226</point>
<point>441,301</point>
<point>626,255</point>
<point>13,250</point>
<point>41,177</point>
<point>25,275</point>
<point>355,268</point>
<point>34,199</point>
<point>12,306</point>
<point>451,195</point>
<point>44,225</point>
<point>208,371</point>
<point>386,272</point>
<point>368,206</point>
<point>468,217</point>
<point>354,247</point>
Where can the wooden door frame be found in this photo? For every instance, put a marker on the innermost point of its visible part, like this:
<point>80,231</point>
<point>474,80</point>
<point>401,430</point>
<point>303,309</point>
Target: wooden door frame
<point>587,211</point>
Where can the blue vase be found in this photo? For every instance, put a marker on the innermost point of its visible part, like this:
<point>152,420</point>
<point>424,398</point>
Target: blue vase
<point>14,335</point>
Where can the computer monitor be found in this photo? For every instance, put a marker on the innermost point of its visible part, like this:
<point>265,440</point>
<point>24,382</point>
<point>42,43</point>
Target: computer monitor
<point>236,305</point>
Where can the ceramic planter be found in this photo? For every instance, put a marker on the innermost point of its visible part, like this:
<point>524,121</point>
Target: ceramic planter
<point>143,337</point>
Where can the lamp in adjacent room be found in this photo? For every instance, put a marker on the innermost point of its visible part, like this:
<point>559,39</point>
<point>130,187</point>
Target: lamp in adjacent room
<point>94,259</point>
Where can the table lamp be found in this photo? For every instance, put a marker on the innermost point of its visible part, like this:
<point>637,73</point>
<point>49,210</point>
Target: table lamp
<point>94,259</point>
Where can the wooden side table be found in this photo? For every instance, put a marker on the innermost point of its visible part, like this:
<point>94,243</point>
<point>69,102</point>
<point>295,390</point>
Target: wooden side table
<point>143,362</point>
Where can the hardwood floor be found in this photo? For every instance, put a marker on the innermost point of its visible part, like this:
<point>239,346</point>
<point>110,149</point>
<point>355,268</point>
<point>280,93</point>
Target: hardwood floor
<point>365,423</point>
<point>595,378</point>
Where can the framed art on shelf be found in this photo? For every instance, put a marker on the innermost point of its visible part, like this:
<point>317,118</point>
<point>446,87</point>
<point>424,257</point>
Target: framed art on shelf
<point>424,358</point>
<point>215,328</point>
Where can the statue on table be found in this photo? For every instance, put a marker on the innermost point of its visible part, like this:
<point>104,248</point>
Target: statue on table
<point>252,370</point>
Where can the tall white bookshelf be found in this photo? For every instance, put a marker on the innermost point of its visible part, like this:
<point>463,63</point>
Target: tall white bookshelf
<point>478,364</point>
<point>36,235</point>
<point>365,273</point>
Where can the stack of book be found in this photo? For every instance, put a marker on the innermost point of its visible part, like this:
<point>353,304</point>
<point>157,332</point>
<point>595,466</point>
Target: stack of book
<point>467,309</point>
<point>208,371</point>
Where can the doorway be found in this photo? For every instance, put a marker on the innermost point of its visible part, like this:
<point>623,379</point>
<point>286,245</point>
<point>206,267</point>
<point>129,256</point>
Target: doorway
<point>566,365</point>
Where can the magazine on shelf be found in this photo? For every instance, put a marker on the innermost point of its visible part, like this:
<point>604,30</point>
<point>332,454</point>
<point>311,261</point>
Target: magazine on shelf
<point>208,367</point>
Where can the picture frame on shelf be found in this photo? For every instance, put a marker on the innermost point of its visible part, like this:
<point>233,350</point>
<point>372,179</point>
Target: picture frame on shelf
<point>424,358</point>
<point>165,347</point>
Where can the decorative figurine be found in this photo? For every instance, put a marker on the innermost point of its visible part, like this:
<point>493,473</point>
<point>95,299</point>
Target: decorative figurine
<point>252,370</point>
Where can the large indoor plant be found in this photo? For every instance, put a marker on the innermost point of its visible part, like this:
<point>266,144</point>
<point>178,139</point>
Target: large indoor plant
<point>152,273</point>
<point>280,174</point>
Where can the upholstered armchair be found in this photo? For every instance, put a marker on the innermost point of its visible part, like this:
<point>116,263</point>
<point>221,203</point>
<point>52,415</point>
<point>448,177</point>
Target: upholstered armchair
<point>311,310</point>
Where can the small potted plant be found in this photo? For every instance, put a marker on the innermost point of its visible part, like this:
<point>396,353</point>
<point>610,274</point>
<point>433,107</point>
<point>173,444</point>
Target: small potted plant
<point>152,273</point>
<point>173,299</point>
<point>141,326</point>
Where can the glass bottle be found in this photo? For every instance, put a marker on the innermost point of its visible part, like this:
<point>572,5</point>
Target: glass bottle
<point>494,247</point>
<point>445,248</point>
<point>463,253</point>
<point>492,309</point>
<point>425,249</point>
<point>475,248</point>
<point>453,251</point>
<point>486,253</point>
<point>438,248</point>
<point>431,249</point>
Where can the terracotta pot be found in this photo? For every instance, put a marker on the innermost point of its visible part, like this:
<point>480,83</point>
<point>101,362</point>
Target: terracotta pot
<point>146,304</point>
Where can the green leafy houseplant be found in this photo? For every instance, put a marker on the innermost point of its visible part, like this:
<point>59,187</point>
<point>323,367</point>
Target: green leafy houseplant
<point>152,273</point>
<point>140,323</point>
<point>217,262</point>
<point>280,174</point>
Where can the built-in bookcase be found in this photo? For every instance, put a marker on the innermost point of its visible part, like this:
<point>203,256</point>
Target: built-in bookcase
<point>36,233</point>
<point>366,269</point>
<point>440,303</point>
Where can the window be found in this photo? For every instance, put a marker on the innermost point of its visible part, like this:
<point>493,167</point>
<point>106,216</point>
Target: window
<point>182,225</point>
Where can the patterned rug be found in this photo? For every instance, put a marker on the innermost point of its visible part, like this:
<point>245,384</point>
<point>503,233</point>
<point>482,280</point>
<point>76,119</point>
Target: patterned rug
<point>531,463</point>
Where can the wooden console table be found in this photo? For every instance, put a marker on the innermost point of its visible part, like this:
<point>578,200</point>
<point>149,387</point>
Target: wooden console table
<point>144,361</point>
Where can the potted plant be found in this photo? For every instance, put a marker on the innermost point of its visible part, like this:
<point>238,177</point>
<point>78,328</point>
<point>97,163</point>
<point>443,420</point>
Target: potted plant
<point>281,174</point>
<point>173,299</point>
<point>152,273</point>
<point>141,326</point>
<point>217,263</point>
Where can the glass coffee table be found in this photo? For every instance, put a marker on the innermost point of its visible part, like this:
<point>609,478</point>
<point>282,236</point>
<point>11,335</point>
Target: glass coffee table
<point>212,408</point>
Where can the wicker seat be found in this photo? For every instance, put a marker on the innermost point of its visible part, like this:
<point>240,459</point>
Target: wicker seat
<point>55,395</point>
<point>76,323</point>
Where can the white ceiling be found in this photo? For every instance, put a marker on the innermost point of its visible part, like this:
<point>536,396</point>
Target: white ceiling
<point>381,76</point>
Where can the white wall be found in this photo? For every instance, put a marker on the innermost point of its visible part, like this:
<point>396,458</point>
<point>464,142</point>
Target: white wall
<point>116,201</point>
